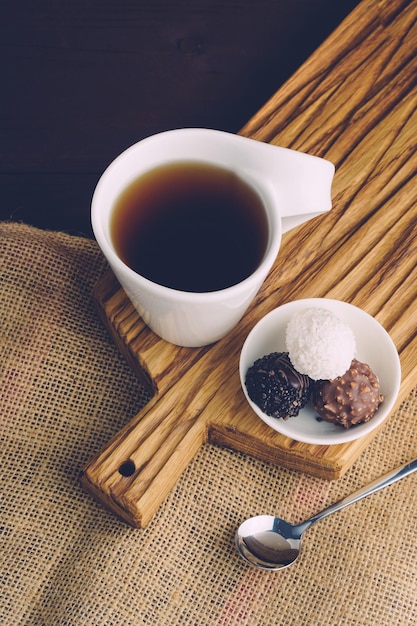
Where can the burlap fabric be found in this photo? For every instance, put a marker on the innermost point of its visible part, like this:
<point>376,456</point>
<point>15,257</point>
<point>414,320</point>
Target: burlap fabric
<point>65,560</point>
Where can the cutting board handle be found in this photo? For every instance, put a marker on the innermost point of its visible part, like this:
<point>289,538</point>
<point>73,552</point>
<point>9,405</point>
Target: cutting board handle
<point>138,468</point>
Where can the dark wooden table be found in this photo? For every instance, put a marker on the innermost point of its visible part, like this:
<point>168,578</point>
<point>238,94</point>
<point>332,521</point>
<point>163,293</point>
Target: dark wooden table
<point>82,80</point>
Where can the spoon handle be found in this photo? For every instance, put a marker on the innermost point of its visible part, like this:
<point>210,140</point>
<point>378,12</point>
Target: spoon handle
<point>373,487</point>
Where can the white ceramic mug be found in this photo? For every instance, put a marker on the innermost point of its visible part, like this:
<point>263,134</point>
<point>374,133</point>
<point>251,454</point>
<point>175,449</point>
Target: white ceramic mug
<point>293,187</point>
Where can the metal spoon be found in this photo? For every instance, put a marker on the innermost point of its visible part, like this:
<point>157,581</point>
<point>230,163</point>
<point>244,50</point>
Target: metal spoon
<point>271,543</point>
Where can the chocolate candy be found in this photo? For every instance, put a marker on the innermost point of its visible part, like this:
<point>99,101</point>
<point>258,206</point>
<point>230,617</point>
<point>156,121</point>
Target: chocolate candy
<point>349,399</point>
<point>276,387</point>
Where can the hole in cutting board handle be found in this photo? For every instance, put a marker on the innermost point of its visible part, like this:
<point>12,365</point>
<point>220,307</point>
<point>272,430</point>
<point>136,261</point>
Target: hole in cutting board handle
<point>127,468</point>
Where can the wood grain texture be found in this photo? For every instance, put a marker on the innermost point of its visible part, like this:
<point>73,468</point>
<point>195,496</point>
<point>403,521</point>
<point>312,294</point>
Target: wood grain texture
<point>353,102</point>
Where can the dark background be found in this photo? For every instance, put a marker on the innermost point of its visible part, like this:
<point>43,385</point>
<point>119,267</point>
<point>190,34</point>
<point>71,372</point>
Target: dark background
<point>83,80</point>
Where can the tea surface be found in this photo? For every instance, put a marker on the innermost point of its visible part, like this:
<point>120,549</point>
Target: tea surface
<point>190,226</point>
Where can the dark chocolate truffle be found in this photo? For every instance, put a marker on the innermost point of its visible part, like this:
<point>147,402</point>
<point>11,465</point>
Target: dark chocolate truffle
<point>349,399</point>
<point>276,387</point>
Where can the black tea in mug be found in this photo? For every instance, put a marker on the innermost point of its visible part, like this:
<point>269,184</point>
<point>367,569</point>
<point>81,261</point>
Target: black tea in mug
<point>190,226</point>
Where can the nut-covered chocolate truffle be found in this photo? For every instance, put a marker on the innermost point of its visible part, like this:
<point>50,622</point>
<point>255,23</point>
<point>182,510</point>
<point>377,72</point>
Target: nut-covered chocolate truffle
<point>349,399</point>
<point>276,387</point>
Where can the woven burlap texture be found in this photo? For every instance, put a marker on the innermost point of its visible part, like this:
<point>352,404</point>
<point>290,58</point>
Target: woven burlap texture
<point>65,560</point>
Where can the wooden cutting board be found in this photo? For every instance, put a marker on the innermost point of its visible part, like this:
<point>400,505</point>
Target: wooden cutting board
<point>353,103</point>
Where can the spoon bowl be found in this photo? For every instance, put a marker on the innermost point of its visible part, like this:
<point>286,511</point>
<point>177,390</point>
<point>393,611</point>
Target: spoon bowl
<point>271,543</point>
<point>268,542</point>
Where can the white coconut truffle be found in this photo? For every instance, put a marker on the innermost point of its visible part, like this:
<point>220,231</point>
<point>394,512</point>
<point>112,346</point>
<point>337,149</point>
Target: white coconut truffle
<point>319,344</point>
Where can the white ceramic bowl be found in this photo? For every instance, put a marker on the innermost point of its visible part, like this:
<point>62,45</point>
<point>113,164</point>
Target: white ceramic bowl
<point>373,346</point>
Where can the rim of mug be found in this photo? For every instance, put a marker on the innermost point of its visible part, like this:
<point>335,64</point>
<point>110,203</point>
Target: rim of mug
<point>101,228</point>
